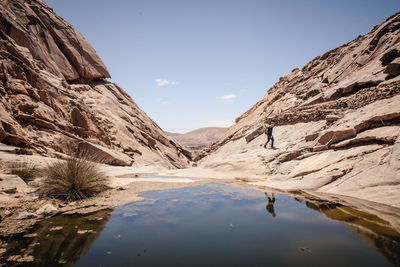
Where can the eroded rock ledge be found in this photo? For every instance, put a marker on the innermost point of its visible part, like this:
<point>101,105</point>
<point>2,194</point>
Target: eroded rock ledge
<point>54,96</point>
<point>338,124</point>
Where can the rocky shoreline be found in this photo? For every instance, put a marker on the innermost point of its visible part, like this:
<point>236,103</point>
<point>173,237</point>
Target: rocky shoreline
<point>22,208</point>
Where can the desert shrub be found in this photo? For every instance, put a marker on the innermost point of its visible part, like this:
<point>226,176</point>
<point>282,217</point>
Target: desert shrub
<point>26,171</point>
<point>73,179</point>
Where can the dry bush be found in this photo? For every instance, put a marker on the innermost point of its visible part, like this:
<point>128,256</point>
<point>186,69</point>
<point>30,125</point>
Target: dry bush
<point>73,179</point>
<point>26,171</point>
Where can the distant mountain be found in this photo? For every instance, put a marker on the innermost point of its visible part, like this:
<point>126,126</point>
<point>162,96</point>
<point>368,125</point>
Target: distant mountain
<point>199,138</point>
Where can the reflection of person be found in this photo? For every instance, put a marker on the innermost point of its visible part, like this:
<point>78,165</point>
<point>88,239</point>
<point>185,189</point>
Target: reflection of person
<point>270,205</point>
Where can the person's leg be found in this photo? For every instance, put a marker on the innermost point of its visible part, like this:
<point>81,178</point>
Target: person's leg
<point>266,143</point>
<point>272,141</point>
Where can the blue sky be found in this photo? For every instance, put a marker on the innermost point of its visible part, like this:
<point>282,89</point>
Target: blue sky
<point>191,64</point>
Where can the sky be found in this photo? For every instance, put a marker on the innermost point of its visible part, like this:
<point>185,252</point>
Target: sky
<point>201,63</point>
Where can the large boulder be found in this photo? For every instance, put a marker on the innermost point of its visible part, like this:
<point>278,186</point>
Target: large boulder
<point>105,155</point>
<point>12,184</point>
<point>254,134</point>
<point>335,135</point>
<point>387,134</point>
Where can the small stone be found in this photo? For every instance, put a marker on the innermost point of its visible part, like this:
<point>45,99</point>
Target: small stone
<point>305,249</point>
<point>7,212</point>
<point>19,258</point>
<point>30,235</point>
<point>109,252</point>
<point>47,210</point>
<point>331,118</point>
<point>57,228</point>
<point>25,215</point>
<point>34,244</point>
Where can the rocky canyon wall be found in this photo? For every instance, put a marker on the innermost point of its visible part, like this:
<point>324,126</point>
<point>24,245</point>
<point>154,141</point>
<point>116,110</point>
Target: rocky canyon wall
<point>54,96</point>
<point>337,124</point>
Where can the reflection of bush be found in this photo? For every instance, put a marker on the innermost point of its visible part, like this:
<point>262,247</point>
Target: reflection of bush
<point>76,178</point>
<point>60,240</point>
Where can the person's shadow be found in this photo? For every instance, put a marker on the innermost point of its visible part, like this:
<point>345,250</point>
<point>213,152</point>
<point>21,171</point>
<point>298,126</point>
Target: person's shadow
<point>270,205</point>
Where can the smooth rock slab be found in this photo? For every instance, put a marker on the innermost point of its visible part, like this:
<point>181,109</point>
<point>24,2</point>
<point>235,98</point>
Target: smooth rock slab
<point>385,134</point>
<point>106,155</point>
<point>25,215</point>
<point>12,184</point>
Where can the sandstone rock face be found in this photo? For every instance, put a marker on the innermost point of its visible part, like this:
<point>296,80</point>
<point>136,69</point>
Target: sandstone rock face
<point>53,93</point>
<point>337,120</point>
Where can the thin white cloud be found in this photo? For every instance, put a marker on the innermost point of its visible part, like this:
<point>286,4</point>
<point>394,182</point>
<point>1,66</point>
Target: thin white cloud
<point>218,123</point>
<point>228,97</point>
<point>164,102</point>
<point>164,82</point>
<point>179,130</point>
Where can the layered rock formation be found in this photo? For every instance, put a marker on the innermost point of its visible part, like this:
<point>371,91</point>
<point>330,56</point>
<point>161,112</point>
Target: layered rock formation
<point>199,138</point>
<point>54,96</point>
<point>338,123</point>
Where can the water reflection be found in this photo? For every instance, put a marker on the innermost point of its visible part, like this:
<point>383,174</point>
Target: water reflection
<point>220,225</point>
<point>216,225</point>
<point>377,233</point>
<point>60,240</point>
<point>270,205</point>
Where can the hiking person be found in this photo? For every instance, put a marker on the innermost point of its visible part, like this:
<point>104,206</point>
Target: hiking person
<point>268,132</point>
<point>270,205</point>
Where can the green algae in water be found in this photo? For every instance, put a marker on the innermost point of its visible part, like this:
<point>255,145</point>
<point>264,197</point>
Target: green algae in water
<point>221,225</point>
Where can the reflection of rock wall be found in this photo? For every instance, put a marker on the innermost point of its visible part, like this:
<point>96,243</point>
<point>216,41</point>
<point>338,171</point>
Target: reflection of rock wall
<point>388,247</point>
<point>58,240</point>
<point>378,233</point>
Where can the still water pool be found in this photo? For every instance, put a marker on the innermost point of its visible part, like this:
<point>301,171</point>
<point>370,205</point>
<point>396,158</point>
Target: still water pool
<point>216,225</point>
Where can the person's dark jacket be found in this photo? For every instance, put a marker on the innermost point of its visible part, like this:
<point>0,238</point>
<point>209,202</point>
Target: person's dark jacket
<point>268,130</point>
